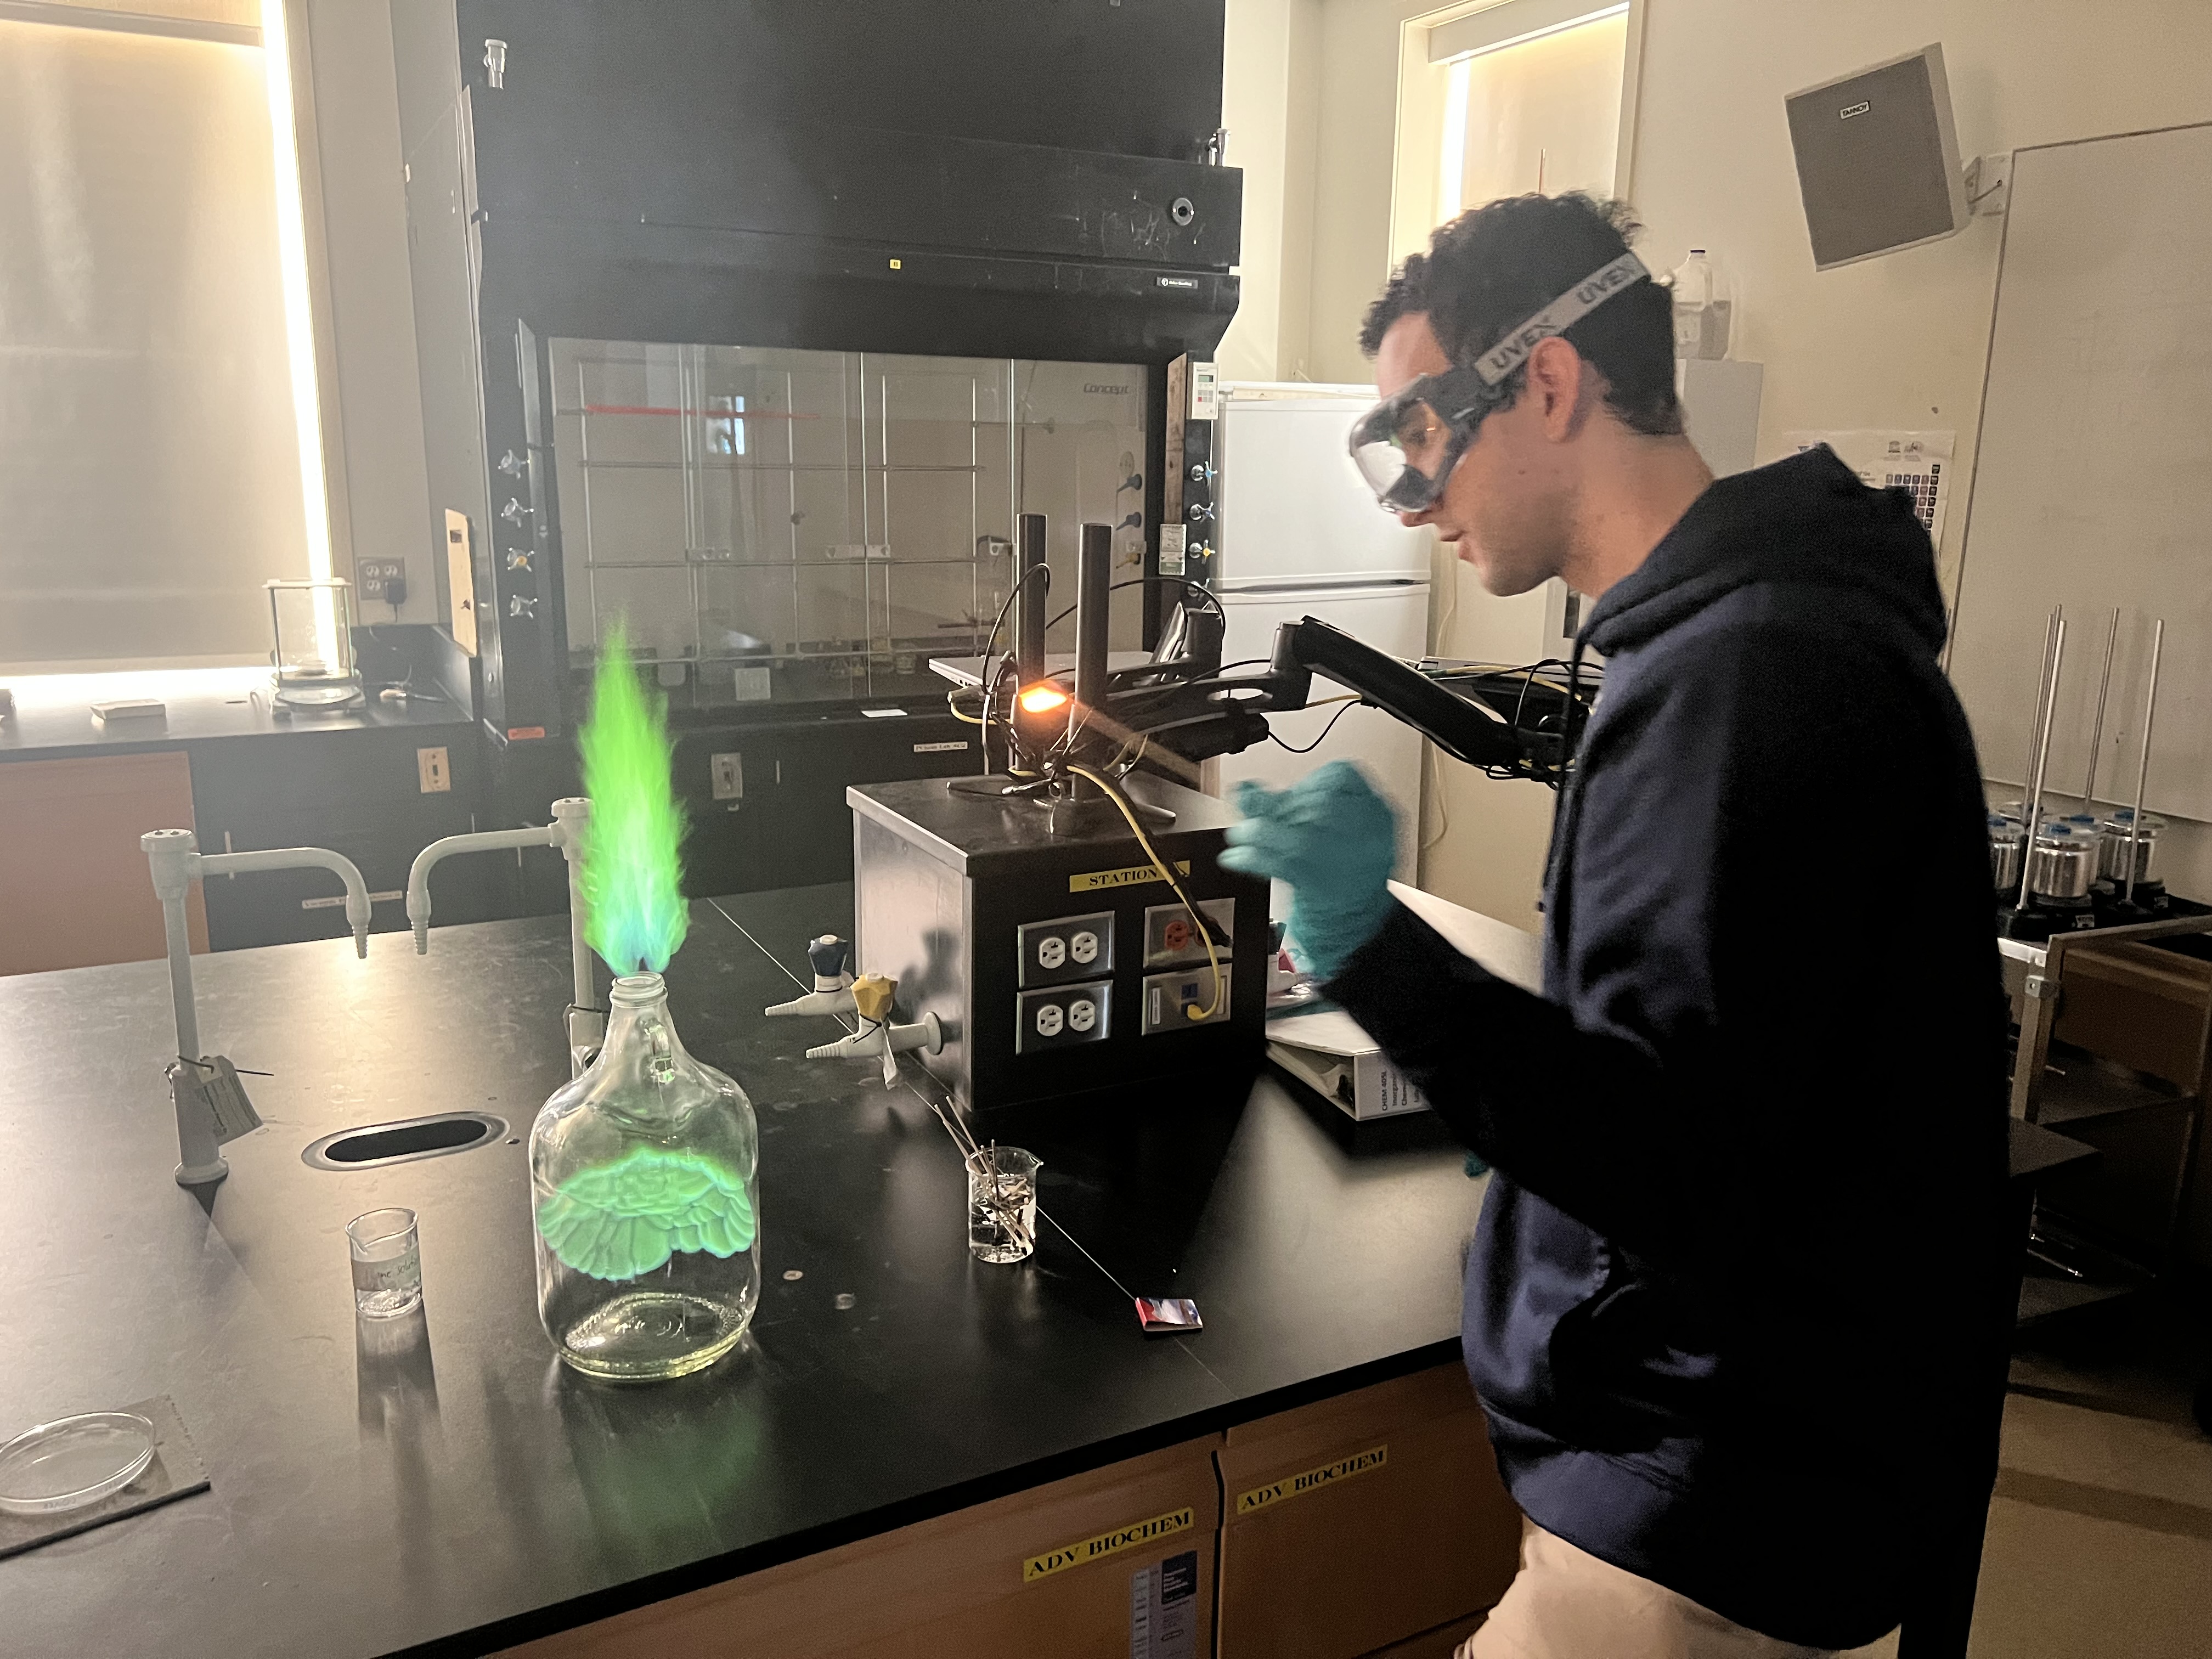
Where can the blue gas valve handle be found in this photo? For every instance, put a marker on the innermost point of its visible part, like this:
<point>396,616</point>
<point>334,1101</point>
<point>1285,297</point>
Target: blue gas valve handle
<point>829,955</point>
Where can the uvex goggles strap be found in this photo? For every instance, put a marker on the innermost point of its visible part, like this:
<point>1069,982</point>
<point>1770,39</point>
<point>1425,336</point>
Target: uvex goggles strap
<point>1556,318</point>
<point>1460,398</point>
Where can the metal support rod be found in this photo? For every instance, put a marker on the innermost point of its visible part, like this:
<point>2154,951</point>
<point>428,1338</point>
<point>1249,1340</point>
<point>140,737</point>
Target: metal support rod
<point>2034,802</point>
<point>1094,575</point>
<point>1029,600</point>
<point>2097,726</point>
<point>2142,765</point>
<point>2043,691</point>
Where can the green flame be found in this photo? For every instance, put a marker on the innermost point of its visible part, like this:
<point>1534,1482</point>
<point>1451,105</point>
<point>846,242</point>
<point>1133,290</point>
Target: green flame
<point>636,917</point>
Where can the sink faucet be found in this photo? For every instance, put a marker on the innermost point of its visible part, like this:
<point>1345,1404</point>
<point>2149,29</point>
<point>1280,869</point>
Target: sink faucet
<point>587,1025</point>
<point>177,862</point>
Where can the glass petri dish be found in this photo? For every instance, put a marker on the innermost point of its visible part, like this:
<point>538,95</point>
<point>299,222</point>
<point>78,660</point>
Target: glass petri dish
<point>73,1462</point>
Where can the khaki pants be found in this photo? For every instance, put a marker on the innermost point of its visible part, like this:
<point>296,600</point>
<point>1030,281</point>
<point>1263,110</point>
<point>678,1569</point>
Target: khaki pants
<point>1566,1604</point>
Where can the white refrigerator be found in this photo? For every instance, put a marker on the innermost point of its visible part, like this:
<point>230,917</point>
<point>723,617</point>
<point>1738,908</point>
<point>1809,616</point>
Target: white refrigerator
<point>1298,534</point>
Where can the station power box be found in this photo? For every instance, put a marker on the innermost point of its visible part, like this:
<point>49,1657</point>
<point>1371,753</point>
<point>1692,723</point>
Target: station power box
<point>1057,961</point>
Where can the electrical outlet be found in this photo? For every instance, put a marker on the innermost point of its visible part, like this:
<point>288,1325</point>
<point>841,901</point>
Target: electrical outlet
<point>728,773</point>
<point>1171,939</point>
<point>1062,1016</point>
<point>433,771</point>
<point>1175,1002</point>
<point>371,576</point>
<point>1071,947</point>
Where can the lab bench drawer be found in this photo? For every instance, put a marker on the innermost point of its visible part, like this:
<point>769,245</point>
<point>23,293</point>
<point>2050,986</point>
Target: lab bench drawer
<point>1355,1524</point>
<point>366,770</point>
<point>75,887</point>
<point>1066,1569</point>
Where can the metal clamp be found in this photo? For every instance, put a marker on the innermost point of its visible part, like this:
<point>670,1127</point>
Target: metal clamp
<point>2040,986</point>
<point>515,512</point>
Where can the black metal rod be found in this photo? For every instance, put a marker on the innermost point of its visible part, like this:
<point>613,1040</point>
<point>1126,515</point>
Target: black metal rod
<point>1028,602</point>
<point>1094,575</point>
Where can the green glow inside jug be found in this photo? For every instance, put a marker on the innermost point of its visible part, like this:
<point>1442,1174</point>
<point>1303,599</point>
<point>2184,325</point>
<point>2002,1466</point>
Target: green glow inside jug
<point>644,1187</point>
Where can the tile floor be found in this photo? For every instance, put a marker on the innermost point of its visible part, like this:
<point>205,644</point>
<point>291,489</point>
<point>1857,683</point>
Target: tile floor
<point>2099,1543</point>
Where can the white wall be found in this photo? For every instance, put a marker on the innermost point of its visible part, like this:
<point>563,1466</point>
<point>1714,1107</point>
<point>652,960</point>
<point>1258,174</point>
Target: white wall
<point>379,491</point>
<point>1899,341</point>
<point>1271,81</point>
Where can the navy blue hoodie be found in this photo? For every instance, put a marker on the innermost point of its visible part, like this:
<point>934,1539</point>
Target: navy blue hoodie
<point>1730,1304</point>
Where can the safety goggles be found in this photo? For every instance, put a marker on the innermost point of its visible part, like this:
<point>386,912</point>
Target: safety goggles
<point>1407,446</point>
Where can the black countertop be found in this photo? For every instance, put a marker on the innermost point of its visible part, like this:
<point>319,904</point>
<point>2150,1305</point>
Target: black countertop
<point>47,730</point>
<point>445,1485</point>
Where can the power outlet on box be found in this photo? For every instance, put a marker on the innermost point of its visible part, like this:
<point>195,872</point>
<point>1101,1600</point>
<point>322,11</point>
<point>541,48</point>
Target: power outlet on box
<point>1069,947</point>
<point>377,578</point>
<point>1062,1016</point>
<point>433,771</point>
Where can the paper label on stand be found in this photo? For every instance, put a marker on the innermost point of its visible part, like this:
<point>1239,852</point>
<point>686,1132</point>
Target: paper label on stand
<point>226,1095</point>
<point>1163,1609</point>
<point>1172,541</point>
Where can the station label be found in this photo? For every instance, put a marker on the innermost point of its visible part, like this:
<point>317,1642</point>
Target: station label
<point>1136,875</point>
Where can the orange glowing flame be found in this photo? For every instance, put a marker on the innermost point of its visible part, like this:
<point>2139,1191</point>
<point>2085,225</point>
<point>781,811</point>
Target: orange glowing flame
<point>1042,699</point>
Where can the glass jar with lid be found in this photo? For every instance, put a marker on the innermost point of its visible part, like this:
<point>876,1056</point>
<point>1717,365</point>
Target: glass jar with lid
<point>644,1187</point>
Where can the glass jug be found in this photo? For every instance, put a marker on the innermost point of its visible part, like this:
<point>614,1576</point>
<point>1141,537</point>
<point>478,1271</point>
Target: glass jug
<point>644,1188</point>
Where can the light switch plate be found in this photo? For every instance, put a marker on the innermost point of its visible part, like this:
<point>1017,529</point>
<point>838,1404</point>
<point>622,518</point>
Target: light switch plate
<point>433,771</point>
<point>728,773</point>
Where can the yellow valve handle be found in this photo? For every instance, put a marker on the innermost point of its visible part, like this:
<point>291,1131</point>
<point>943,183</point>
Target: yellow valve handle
<point>873,994</point>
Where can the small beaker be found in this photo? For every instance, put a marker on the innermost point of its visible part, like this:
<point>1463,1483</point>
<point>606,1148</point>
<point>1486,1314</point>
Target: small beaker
<point>388,1263</point>
<point>1002,1207</point>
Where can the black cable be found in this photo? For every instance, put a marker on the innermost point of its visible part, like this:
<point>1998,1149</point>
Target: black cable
<point>1307,749</point>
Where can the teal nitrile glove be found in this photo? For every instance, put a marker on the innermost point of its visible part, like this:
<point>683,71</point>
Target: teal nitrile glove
<point>1333,839</point>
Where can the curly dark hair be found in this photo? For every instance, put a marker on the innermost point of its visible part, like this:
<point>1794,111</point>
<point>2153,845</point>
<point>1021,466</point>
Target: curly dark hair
<point>1497,266</point>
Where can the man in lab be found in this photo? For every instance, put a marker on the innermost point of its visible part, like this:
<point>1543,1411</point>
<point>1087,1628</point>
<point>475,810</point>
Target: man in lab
<point>1733,1306</point>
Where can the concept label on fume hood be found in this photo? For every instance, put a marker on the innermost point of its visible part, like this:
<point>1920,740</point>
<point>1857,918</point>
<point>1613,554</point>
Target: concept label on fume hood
<point>1297,1485</point>
<point>1136,875</point>
<point>1136,1533</point>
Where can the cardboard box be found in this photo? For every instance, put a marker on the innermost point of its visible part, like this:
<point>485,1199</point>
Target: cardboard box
<point>1362,1522</point>
<point>1117,1564</point>
<point>1331,1055</point>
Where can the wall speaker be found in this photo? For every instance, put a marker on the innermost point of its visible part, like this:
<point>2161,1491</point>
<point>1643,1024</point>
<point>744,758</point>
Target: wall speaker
<point>1878,159</point>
